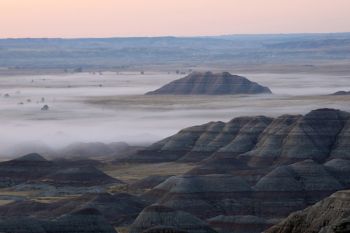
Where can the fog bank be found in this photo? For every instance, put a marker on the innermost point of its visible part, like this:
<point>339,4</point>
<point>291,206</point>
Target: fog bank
<point>111,107</point>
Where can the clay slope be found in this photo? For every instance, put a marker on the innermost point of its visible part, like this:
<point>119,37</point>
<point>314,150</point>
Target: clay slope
<point>258,141</point>
<point>208,83</point>
<point>331,215</point>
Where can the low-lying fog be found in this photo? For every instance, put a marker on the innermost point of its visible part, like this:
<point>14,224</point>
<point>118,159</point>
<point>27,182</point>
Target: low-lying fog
<point>110,107</point>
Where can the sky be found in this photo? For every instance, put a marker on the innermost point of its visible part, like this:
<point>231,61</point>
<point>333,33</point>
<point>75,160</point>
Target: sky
<point>114,18</point>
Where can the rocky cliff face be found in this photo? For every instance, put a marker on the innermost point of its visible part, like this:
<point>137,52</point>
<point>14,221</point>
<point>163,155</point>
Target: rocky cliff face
<point>331,215</point>
<point>208,83</point>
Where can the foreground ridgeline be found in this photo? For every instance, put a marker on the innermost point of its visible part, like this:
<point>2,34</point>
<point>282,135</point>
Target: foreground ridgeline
<point>208,83</point>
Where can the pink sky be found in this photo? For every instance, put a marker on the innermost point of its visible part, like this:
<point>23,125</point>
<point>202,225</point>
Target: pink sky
<point>109,18</point>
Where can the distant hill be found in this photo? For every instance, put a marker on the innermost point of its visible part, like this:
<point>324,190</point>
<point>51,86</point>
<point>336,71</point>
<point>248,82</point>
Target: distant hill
<point>208,83</point>
<point>341,93</point>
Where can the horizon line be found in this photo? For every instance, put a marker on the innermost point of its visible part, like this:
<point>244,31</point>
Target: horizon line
<point>175,36</point>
